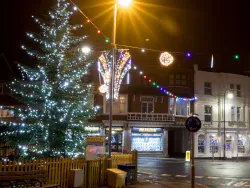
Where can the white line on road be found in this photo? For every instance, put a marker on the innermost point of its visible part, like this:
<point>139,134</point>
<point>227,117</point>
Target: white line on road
<point>229,178</point>
<point>181,176</point>
<point>213,177</point>
<point>199,176</point>
<point>165,175</point>
<point>240,184</point>
<point>230,183</point>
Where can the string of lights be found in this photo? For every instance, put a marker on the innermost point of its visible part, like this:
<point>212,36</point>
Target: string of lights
<point>164,90</point>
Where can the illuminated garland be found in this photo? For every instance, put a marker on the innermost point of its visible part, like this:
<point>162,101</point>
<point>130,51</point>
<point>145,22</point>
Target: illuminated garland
<point>122,66</point>
<point>161,88</point>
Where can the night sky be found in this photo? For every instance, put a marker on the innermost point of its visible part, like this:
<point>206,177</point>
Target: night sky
<point>202,27</point>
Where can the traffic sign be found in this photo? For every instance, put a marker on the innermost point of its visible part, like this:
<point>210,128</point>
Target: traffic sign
<point>193,124</point>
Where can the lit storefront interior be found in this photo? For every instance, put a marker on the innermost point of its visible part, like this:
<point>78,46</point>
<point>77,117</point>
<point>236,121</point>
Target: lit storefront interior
<point>116,142</point>
<point>147,139</point>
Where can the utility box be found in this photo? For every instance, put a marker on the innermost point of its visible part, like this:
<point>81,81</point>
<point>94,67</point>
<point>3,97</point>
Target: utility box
<point>76,178</point>
<point>116,178</point>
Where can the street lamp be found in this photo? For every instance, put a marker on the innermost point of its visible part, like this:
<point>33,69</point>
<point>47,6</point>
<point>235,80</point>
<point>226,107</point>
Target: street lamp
<point>230,96</point>
<point>122,3</point>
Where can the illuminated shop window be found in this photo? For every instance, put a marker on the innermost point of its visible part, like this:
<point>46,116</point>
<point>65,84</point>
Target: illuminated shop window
<point>214,144</point>
<point>201,143</point>
<point>241,144</point>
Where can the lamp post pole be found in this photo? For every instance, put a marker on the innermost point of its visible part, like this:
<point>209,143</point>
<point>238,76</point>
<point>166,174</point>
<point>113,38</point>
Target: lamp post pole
<point>111,88</point>
<point>224,114</point>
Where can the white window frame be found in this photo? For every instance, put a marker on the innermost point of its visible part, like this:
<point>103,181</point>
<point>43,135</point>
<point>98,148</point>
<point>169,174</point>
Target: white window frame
<point>201,143</point>
<point>213,147</point>
<point>238,90</point>
<point>106,104</point>
<point>208,88</point>
<point>232,113</point>
<point>241,148</point>
<point>211,114</point>
<point>238,112</point>
<point>147,100</point>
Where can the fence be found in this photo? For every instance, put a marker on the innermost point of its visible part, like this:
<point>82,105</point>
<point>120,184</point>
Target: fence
<point>59,169</point>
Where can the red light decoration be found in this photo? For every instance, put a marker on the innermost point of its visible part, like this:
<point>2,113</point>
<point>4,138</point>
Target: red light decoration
<point>150,80</point>
<point>145,76</point>
<point>99,31</point>
<point>88,20</point>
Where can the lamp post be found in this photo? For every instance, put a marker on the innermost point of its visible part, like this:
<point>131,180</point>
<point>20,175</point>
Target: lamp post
<point>230,96</point>
<point>123,3</point>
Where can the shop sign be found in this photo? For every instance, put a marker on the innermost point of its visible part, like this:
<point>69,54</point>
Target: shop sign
<point>92,129</point>
<point>115,129</point>
<point>147,130</point>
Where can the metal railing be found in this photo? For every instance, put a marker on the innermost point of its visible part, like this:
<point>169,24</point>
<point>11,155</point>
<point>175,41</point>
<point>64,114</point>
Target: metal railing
<point>136,116</point>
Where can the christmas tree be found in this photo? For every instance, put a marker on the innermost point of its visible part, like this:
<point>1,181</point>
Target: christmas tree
<point>57,105</point>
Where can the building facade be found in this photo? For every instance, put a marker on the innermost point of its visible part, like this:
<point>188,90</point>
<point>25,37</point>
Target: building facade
<point>146,119</point>
<point>222,105</point>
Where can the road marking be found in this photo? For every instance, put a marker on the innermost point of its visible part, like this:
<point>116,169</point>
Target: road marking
<point>146,173</point>
<point>230,183</point>
<point>181,176</point>
<point>199,176</point>
<point>245,179</point>
<point>213,177</point>
<point>229,178</point>
<point>165,175</point>
<point>240,184</point>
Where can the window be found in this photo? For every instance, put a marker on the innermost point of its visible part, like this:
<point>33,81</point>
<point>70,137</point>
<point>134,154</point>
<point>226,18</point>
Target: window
<point>183,80</point>
<point>214,144</point>
<point>208,88</point>
<point>171,79</point>
<point>1,88</point>
<point>147,104</point>
<point>208,113</point>
<point>178,79</point>
<point>181,107</point>
<point>238,94</point>
<point>232,88</point>
<point>238,113</point>
<point>171,105</point>
<point>119,106</point>
<point>232,113</point>
<point>241,145</point>
<point>201,143</point>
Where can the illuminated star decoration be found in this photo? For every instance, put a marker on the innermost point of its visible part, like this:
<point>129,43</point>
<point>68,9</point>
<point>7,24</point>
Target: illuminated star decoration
<point>122,66</point>
<point>166,59</point>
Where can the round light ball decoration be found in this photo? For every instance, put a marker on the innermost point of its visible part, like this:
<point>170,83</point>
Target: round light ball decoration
<point>166,59</point>
<point>103,89</point>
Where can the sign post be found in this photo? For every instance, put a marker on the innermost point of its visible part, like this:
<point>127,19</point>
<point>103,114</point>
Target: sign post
<point>193,124</point>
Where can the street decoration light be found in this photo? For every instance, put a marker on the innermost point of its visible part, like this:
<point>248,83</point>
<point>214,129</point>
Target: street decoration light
<point>166,59</point>
<point>122,66</point>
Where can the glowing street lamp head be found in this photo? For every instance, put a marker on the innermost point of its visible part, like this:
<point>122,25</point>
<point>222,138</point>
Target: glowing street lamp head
<point>230,95</point>
<point>125,3</point>
<point>85,50</point>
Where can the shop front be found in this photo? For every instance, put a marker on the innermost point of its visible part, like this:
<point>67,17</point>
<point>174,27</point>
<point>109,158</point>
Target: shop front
<point>147,139</point>
<point>117,139</point>
<point>93,130</point>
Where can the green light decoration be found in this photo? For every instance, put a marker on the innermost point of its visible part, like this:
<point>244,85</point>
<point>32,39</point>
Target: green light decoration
<point>153,83</point>
<point>57,105</point>
<point>107,40</point>
<point>236,56</point>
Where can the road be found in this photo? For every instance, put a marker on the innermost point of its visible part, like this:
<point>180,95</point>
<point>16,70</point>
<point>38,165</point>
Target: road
<point>214,174</point>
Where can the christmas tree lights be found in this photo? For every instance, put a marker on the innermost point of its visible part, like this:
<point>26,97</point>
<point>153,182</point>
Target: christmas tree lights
<point>57,105</point>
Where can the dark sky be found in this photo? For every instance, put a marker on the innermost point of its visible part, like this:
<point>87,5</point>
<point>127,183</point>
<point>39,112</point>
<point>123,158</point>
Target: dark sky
<point>203,27</point>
